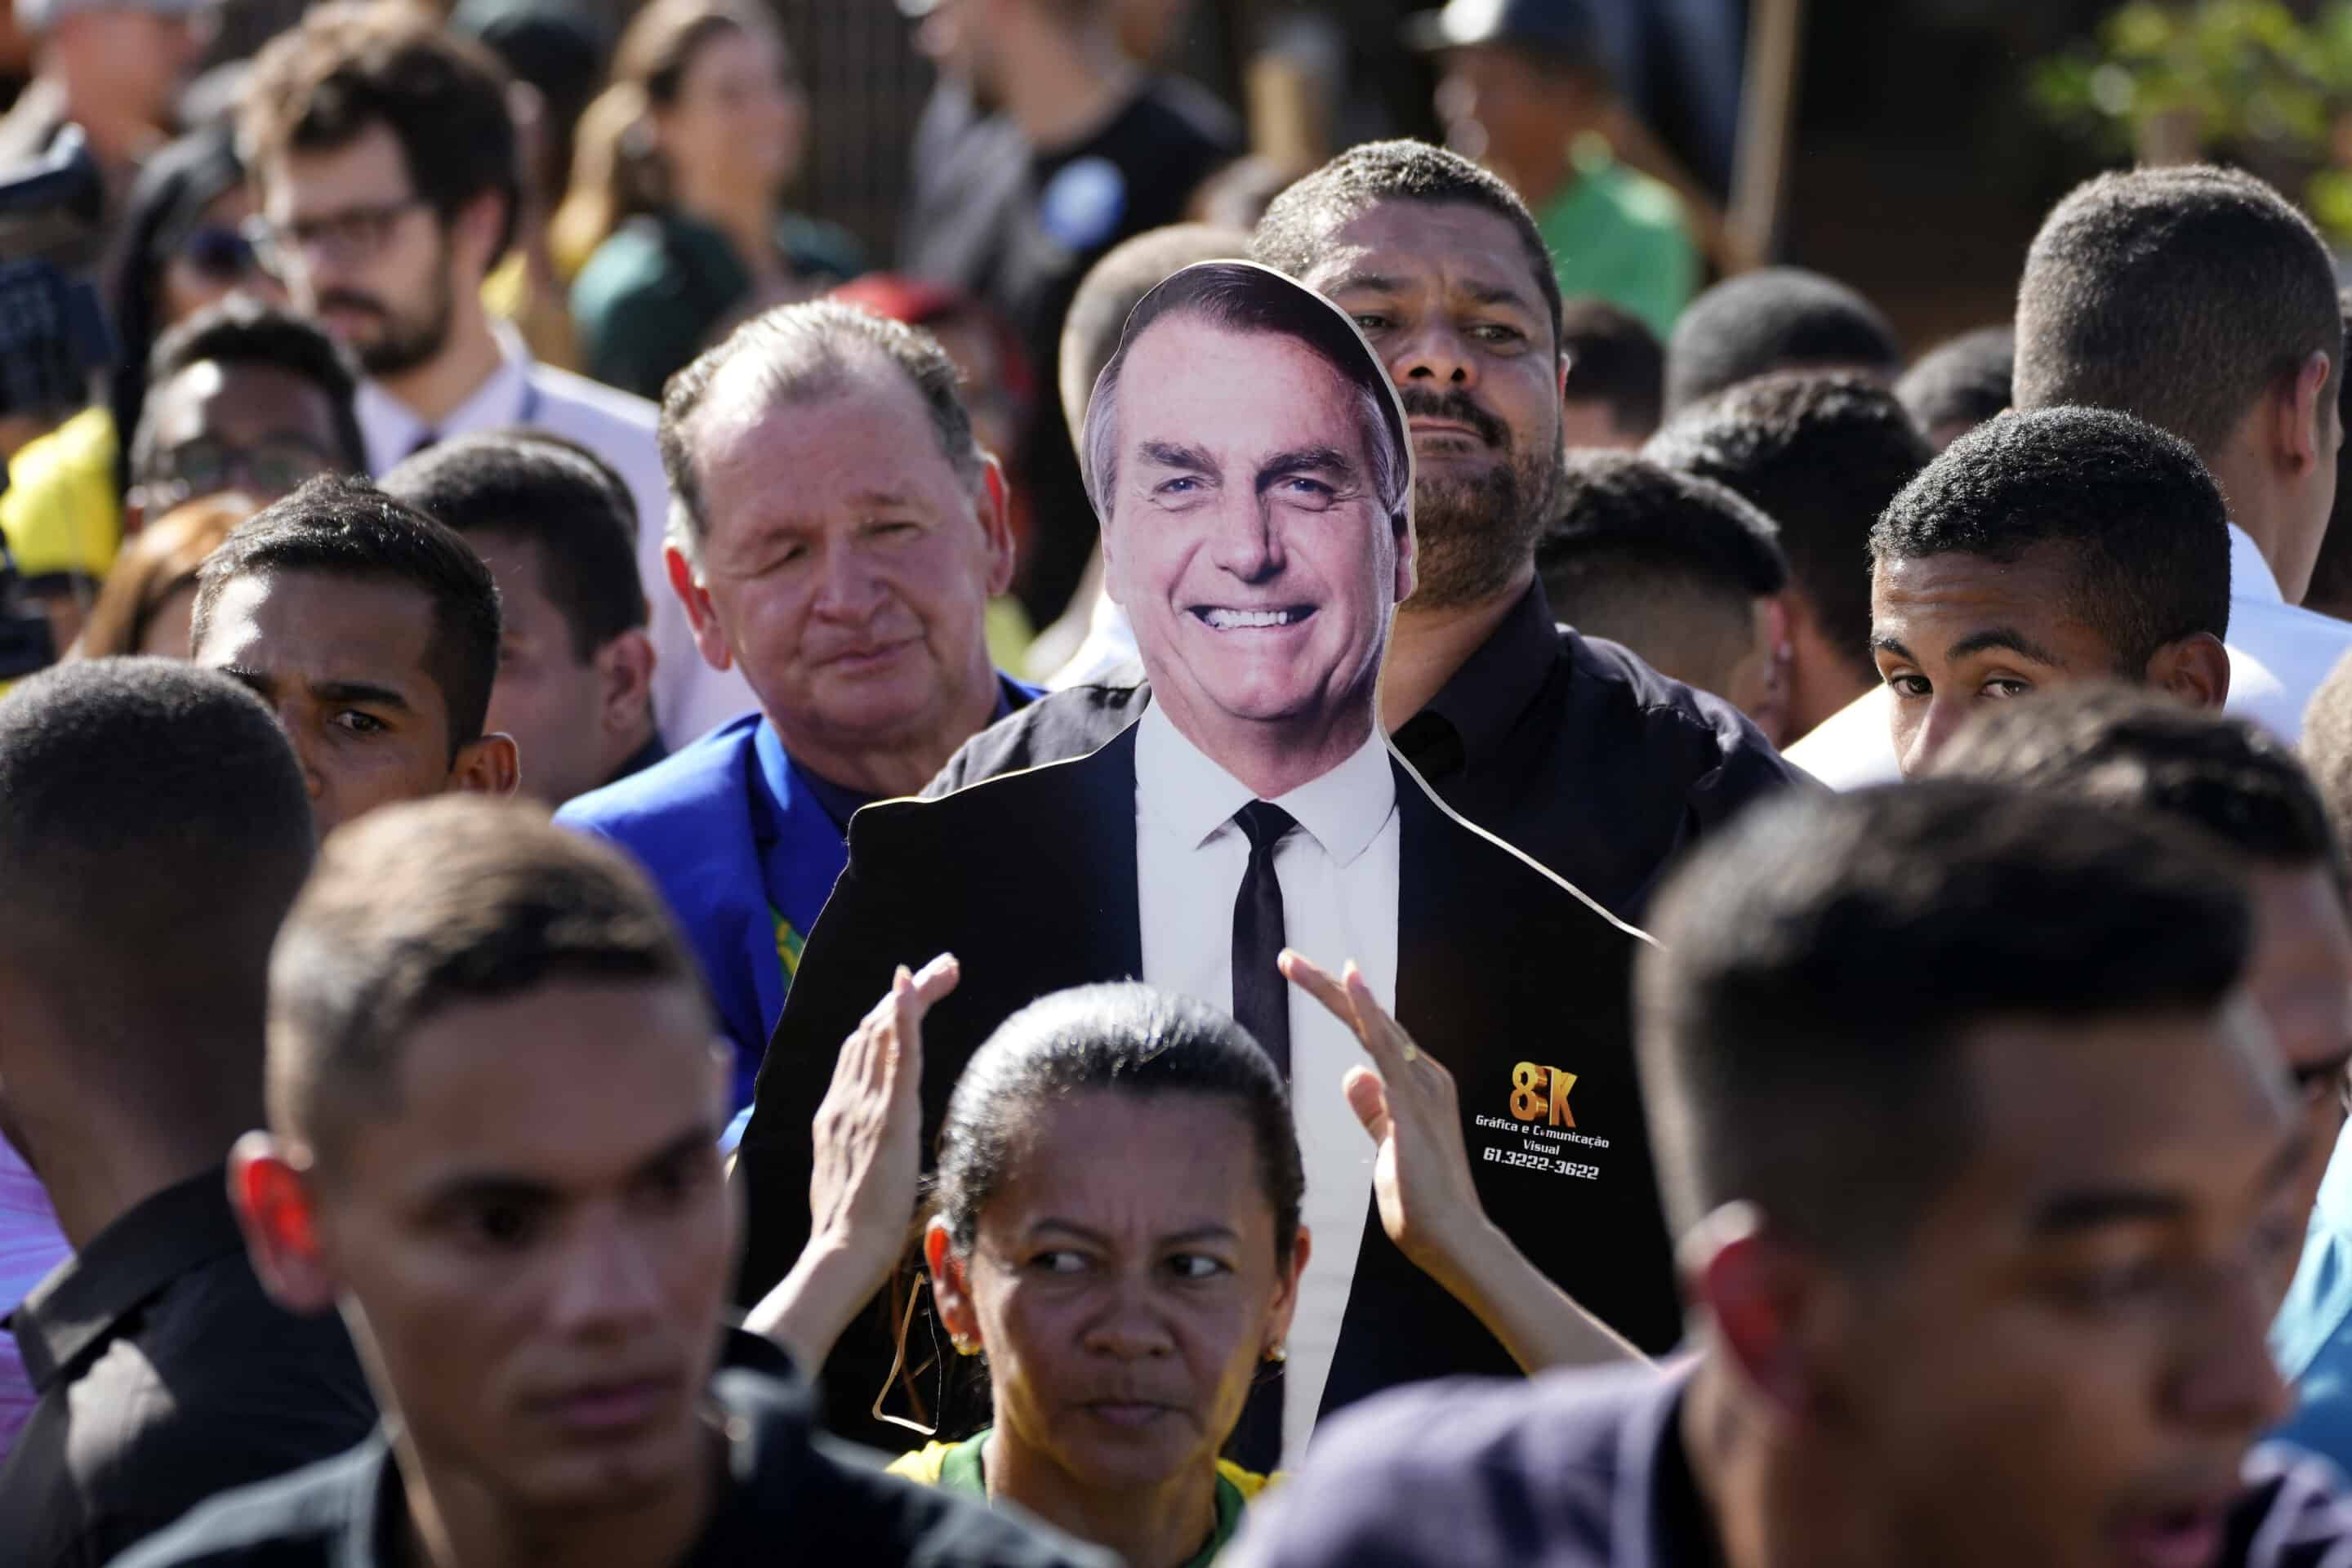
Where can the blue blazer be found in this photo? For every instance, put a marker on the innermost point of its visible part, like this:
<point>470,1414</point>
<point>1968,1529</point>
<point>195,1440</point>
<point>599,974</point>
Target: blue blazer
<point>701,822</point>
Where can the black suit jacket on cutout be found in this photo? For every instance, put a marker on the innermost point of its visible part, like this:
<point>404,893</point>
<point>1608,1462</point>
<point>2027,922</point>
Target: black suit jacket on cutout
<point>1030,880</point>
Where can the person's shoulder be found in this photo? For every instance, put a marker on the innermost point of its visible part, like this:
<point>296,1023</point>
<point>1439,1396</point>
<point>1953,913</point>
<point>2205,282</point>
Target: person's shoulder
<point>817,245</point>
<point>1644,200</point>
<point>302,1518</point>
<point>1058,726</point>
<point>697,779</point>
<point>1518,1456</point>
<point>1714,733</point>
<point>590,412</point>
<point>1853,747</point>
<point>1178,105</point>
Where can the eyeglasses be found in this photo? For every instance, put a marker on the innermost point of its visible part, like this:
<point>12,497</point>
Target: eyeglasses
<point>207,465</point>
<point>219,253</point>
<point>355,234</point>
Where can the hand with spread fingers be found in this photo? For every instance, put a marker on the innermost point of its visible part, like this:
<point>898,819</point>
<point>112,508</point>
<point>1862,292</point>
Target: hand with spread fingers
<point>867,1174</point>
<point>1429,1202</point>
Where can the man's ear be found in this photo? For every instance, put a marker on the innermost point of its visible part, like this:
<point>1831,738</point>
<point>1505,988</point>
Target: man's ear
<point>2297,419</point>
<point>1286,1292</point>
<point>474,232</point>
<point>950,1286</point>
<point>270,1188</point>
<point>1756,1294</point>
<point>491,765</point>
<point>1408,563</point>
<point>2194,668</point>
<point>708,640</point>
<point>624,679</point>
<point>994,504</point>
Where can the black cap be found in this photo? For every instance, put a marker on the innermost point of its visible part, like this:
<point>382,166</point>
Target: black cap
<point>1554,26</point>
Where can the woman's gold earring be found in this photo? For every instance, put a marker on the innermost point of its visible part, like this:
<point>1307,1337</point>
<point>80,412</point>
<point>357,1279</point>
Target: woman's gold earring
<point>1278,1354</point>
<point>965,1345</point>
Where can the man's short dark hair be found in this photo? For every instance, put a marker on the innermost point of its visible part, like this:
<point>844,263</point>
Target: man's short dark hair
<point>1644,555</point>
<point>1803,1021</point>
<point>804,353</point>
<point>2180,295</point>
<point>2144,520</point>
<point>548,492</point>
<point>154,828</point>
<point>1250,298</point>
<point>1614,358</point>
<point>1820,455</point>
<point>1296,230</point>
<point>1111,290</point>
<point>242,332</point>
<point>2331,574</point>
<point>355,64</point>
<point>428,904</point>
<point>2126,746</point>
<point>338,526</point>
<point>1962,381</point>
<point>1775,319</point>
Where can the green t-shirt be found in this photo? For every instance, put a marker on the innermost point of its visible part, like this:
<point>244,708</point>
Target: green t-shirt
<point>1616,232</point>
<point>957,1466</point>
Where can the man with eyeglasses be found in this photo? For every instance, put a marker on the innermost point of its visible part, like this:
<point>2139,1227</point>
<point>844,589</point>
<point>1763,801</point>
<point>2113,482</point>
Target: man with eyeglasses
<point>242,396</point>
<point>385,160</point>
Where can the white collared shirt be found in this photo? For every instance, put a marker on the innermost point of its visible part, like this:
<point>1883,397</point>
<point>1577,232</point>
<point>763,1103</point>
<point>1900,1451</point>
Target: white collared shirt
<point>2279,653</point>
<point>689,697</point>
<point>1339,888</point>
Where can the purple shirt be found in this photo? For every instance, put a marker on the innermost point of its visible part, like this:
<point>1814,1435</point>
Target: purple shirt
<point>30,1246</point>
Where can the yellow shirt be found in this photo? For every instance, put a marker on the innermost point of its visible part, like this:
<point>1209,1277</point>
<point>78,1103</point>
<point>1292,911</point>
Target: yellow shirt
<point>61,514</point>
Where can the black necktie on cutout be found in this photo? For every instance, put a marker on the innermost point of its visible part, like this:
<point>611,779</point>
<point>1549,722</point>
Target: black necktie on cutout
<point>1262,1003</point>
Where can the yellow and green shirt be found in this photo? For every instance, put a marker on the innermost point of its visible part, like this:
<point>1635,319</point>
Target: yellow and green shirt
<point>957,1468</point>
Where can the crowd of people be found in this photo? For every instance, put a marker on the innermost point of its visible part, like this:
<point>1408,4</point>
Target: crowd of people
<point>1469,904</point>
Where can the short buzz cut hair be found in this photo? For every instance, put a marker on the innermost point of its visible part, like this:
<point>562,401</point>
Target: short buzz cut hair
<point>2126,746</point>
<point>1803,1022</point>
<point>798,355</point>
<point>2144,520</point>
<point>1774,319</point>
<point>1614,360</point>
<point>154,828</point>
<point>1249,298</point>
<point>427,904</point>
<point>337,526</point>
<point>1111,291</point>
<point>1962,381</point>
<point>242,332</point>
<point>2331,574</point>
<point>1822,456</point>
<point>1655,559</point>
<point>1296,230</point>
<point>546,491</point>
<point>2179,295</point>
<point>353,64</point>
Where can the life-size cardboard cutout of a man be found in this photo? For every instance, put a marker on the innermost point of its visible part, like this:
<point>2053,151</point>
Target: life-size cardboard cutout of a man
<point>1252,473</point>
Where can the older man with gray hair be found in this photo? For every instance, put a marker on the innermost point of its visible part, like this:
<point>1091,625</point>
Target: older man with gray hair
<point>835,532</point>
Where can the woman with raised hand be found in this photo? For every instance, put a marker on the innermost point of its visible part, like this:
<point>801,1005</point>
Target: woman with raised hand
<point>1115,1228</point>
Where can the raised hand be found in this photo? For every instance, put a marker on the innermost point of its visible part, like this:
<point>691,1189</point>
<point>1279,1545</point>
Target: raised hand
<point>868,1170</point>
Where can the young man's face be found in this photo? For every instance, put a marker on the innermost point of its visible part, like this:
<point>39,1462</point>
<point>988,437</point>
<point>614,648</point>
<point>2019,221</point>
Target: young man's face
<point>258,429</point>
<point>1445,294</point>
<point>1246,541</point>
<point>557,705</point>
<point>532,1241</point>
<point>2302,979</point>
<point>2066,1362</point>
<point>340,661</point>
<point>1953,632</point>
<point>847,569</point>
<point>365,255</point>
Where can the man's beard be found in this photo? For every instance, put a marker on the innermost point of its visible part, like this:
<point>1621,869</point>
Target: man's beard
<point>1474,535</point>
<point>406,342</point>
